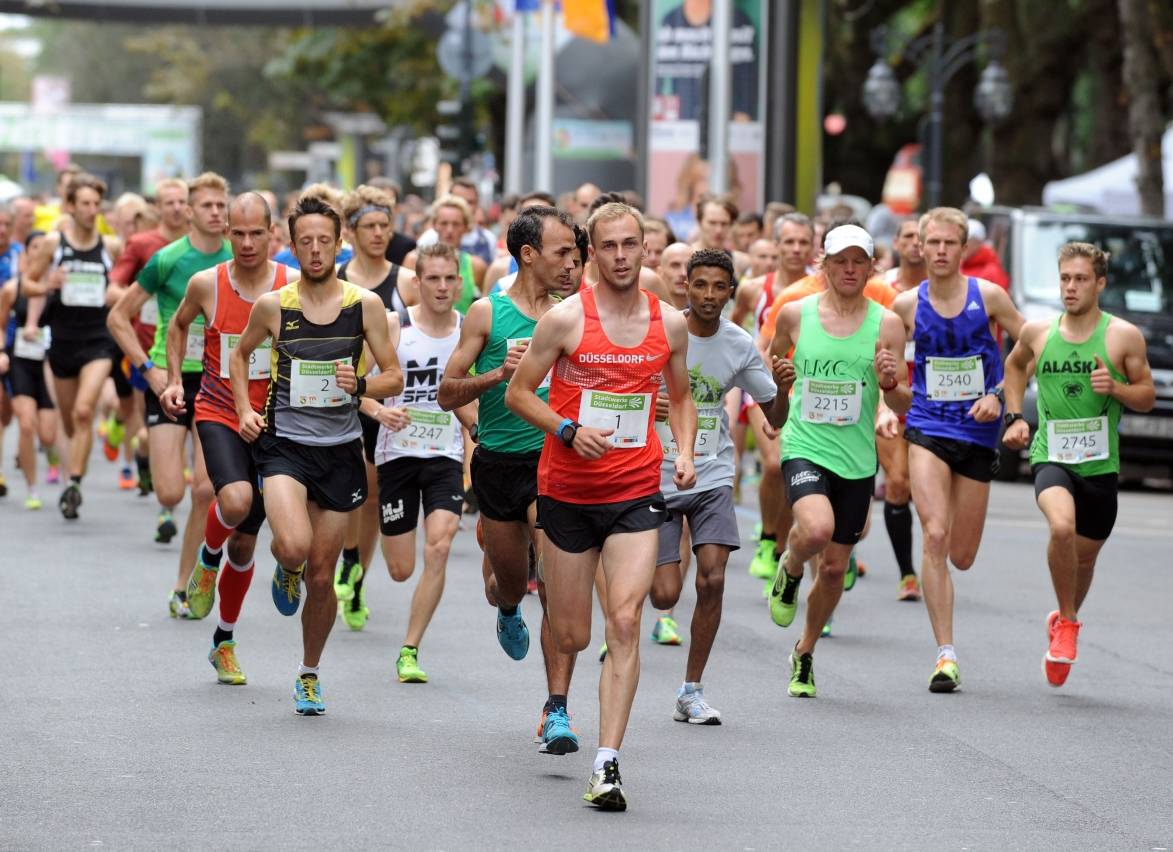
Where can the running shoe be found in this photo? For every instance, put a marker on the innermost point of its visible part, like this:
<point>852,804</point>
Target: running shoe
<point>223,660</point>
<point>513,634</point>
<point>531,585</point>
<point>909,588</point>
<point>602,652</point>
<point>763,565</point>
<point>691,706</point>
<point>355,612</point>
<point>1062,637</point>
<point>826,631</point>
<point>307,696</point>
<point>145,484</point>
<point>287,589</point>
<point>605,789</point>
<point>165,528</point>
<point>861,569</point>
<point>851,574</point>
<point>3,486</point>
<point>52,475</point>
<point>126,480</point>
<point>557,736</point>
<point>70,500</point>
<point>541,725</point>
<point>115,432</point>
<point>945,677</point>
<point>33,502</point>
<point>177,606</point>
<point>784,596</point>
<point>665,633</point>
<point>407,666</point>
<point>201,587</point>
<point>345,576</point>
<point>802,676</point>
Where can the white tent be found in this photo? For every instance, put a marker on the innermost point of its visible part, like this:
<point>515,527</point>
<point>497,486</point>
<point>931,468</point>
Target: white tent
<point>1111,189</point>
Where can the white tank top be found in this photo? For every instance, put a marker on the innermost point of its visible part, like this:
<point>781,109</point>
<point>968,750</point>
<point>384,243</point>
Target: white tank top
<point>433,433</point>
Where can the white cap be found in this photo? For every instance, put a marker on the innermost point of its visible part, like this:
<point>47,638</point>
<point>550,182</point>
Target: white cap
<point>976,231</point>
<point>846,236</point>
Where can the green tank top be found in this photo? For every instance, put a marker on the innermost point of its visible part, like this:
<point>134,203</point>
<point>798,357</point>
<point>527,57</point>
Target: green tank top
<point>1065,393</point>
<point>499,429</point>
<point>468,284</point>
<point>836,380</point>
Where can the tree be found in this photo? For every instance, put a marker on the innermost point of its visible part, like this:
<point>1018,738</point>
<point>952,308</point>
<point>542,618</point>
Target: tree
<point>1146,120</point>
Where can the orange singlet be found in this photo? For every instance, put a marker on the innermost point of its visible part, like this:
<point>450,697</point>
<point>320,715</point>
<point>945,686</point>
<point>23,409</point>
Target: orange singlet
<point>214,402</point>
<point>601,384</point>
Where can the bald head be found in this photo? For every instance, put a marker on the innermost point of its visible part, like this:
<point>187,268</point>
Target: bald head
<point>763,257</point>
<point>246,205</point>
<point>250,228</point>
<point>673,272</point>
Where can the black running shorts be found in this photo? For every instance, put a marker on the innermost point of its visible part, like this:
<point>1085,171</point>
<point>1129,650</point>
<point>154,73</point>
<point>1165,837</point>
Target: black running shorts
<point>229,459</point>
<point>579,527</point>
<point>850,498</point>
<point>26,377</point>
<point>68,357</point>
<point>1095,497</point>
<point>334,476</point>
<point>505,484</point>
<point>406,481</point>
<point>972,461</point>
<point>154,409</point>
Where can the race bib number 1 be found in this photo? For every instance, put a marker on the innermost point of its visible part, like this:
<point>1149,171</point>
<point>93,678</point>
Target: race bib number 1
<point>84,290</point>
<point>312,385</point>
<point>706,437</point>
<point>258,361</point>
<point>832,403</point>
<point>954,379</point>
<point>1075,441</point>
<point>429,432</point>
<point>626,413</point>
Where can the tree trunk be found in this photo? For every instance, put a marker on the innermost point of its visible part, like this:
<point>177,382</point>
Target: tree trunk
<point>1145,119</point>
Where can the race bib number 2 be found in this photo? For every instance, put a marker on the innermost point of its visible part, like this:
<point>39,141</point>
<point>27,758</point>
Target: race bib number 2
<point>832,403</point>
<point>312,385</point>
<point>1075,441</point>
<point>628,414</point>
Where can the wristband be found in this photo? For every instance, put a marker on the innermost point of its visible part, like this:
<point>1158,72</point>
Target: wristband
<point>147,365</point>
<point>361,388</point>
<point>565,422</point>
<point>890,387</point>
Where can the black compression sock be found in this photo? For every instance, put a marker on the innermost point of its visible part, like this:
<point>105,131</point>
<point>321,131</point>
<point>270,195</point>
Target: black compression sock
<point>75,480</point>
<point>221,636</point>
<point>350,555</point>
<point>898,520</point>
<point>555,701</point>
<point>769,536</point>
<point>508,611</point>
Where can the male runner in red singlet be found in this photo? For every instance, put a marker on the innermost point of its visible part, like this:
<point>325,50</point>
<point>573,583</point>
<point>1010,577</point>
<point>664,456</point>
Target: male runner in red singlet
<point>610,347</point>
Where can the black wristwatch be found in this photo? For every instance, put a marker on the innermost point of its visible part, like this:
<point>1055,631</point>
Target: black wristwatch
<point>362,386</point>
<point>1011,417</point>
<point>566,432</point>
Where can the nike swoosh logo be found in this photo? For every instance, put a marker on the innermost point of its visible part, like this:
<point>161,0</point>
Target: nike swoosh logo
<point>654,509</point>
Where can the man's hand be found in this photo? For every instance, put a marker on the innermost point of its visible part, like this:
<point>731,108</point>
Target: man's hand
<point>769,431</point>
<point>56,279</point>
<point>784,375</point>
<point>345,377</point>
<point>3,363</point>
<point>157,381</point>
<point>512,359</point>
<point>685,476</point>
<point>662,408</point>
<point>395,419</point>
<point>30,333</point>
<point>885,367</point>
<point>1017,435</point>
<point>172,402</point>
<point>251,425</point>
<point>986,409</point>
<point>1102,381</point>
<point>592,443</point>
<point>887,423</point>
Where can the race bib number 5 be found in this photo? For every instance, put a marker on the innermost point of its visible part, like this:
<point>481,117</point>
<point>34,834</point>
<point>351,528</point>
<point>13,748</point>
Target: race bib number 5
<point>954,379</point>
<point>312,385</point>
<point>1075,441</point>
<point>706,437</point>
<point>626,413</point>
<point>258,361</point>
<point>832,403</point>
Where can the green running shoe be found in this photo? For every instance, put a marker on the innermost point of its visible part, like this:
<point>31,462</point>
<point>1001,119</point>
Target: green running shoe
<point>825,633</point>
<point>201,587</point>
<point>784,596</point>
<point>345,576</point>
<point>165,528</point>
<point>407,666</point>
<point>945,677</point>
<point>802,676</point>
<point>763,565</point>
<point>665,632</point>
<point>355,612</point>
<point>223,660</point>
<point>602,652</point>
<point>851,574</point>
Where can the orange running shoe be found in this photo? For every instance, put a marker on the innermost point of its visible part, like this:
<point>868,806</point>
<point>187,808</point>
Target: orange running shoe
<point>1061,653</point>
<point>127,480</point>
<point>909,589</point>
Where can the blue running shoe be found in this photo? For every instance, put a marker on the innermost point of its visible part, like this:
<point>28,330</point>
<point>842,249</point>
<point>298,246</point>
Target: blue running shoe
<point>287,589</point>
<point>513,634</point>
<point>557,736</point>
<point>307,696</point>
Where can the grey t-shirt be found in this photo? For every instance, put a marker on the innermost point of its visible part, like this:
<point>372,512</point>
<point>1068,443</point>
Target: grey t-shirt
<point>717,363</point>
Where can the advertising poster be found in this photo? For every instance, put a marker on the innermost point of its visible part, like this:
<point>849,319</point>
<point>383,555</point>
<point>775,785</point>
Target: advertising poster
<point>678,163</point>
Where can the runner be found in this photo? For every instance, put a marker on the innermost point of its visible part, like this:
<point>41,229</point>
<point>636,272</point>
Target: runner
<point>452,218</point>
<point>746,230</point>
<point>673,273</point>
<point>420,448</point>
<point>721,356</point>
<point>763,258</point>
<point>223,297</point>
<point>846,354</point>
<point>1089,366</point>
<point>953,423</point>
<point>10,251</point>
<point>367,212</point>
<point>493,339</point>
<point>22,366</point>
<point>648,280</point>
<point>715,215</point>
<point>72,266</point>
<point>610,348</point>
<point>166,277</point>
<point>657,237</point>
<point>308,446</point>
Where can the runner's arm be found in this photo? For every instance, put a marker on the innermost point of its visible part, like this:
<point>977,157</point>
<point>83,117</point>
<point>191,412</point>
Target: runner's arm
<point>1138,394</point>
<point>891,341</point>
<point>681,408</point>
<point>780,344</point>
<point>1017,372</point>
<point>37,279</point>
<point>544,348</point>
<point>263,322</point>
<point>1000,308</point>
<point>457,387</point>
<point>389,381</point>
<point>197,296</point>
<point>743,301</point>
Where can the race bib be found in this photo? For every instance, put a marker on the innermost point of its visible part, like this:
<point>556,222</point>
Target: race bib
<point>84,290</point>
<point>312,385</point>
<point>627,413</point>
<point>707,430</point>
<point>258,361</point>
<point>832,403</point>
<point>33,350</point>
<point>149,314</point>
<point>910,351</point>
<point>195,344</point>
<point>429,432</point>
<point>1075,441</point>
<point>954,379</point>
<point>516,341</point>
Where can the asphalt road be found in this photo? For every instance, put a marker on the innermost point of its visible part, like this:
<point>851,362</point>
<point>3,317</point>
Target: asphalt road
<point>116,735</point>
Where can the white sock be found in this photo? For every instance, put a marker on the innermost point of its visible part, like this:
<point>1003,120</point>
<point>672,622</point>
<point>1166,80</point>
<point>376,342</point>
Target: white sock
<point>226,626</point>
<point>245,567</point>
<point>690,687</point>
<point>946,652</point>
<point>304,670</point>
<point>603,755</point>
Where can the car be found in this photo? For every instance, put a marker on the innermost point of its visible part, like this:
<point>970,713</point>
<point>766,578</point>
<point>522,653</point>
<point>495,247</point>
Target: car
<point>1140,290</point>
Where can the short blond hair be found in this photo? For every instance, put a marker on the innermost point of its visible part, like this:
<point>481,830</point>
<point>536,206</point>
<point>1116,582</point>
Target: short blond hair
<point>208,180</point>
<point>945,216</point>
<point>1096,255</point>
<point>171,183</point>
<point>364,196</point>
<point>611,211</point>
<point>455,201</point>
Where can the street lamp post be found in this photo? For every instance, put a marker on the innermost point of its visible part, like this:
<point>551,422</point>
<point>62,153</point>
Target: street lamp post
<point>993,98</point>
